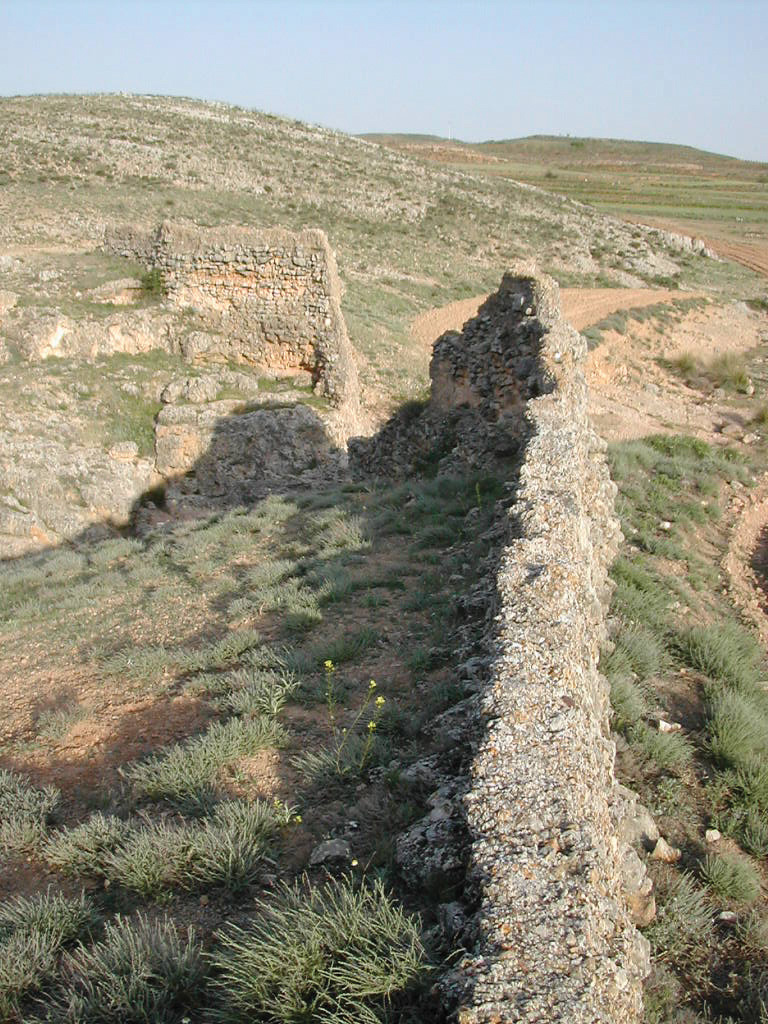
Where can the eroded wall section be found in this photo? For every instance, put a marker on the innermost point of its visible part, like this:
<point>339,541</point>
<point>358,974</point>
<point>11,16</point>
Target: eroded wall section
<point>270,297</point>
<point>553,936</point>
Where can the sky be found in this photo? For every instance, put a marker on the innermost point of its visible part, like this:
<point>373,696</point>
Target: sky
<point>674,71</point>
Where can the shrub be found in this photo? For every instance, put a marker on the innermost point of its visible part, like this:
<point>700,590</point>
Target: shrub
<point>33,931</point>
<point>153,284</point>
<point>334,954</point>
<point>730,878</point>
<point>139,972</point>
<point>24,813</point>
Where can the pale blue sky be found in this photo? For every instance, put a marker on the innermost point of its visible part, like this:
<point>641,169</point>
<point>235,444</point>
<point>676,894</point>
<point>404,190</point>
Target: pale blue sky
<point>687,71</point>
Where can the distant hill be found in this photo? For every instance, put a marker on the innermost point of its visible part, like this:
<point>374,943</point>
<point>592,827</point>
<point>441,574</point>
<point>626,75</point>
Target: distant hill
<point>677,187</point>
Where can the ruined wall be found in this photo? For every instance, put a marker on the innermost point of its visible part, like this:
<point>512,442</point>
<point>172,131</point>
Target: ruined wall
<point>554,939</point>
<point>535,813</point>
<point>271,298</point>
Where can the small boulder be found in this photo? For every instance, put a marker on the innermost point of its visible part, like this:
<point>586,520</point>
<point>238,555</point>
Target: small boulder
<point>664,852</point>
<point>332,851</point>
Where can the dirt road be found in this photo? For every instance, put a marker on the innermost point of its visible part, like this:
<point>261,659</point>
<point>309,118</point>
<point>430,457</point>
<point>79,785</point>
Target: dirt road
<point>581,306</point>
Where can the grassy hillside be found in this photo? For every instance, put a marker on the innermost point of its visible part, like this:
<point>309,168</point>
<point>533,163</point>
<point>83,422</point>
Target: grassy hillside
<point>408,235</point>
<point>707,193</point>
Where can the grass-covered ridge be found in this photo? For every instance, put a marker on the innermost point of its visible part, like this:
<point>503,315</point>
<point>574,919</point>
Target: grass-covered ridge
<point>408,236</point>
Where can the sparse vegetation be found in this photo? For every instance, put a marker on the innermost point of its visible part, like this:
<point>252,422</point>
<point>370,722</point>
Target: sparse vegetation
<point>191,820</point>
<point>336,953</point>
<point>680,654</point>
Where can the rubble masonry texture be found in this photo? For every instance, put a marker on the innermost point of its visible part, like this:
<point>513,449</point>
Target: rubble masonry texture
<point>272,298</point>
<point>554,938</point>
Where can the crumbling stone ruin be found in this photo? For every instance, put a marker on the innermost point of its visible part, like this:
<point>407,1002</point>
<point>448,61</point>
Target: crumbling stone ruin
<point>270,298</point>
<point>536,832</point>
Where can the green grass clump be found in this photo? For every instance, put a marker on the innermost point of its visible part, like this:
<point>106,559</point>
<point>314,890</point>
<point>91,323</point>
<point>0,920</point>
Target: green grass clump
<point>637,651</point>
<point>728,371</point>
<point>683,929</point>
<point>150,858</point>
<point>81,850</point>
<point>665,752</point>
<point>185,775</point>
<point>334,954</point>
<point>628,703</point>
<point>150,861</point>
<point>725,652</point>
<point>737,728</point>
<point>257,692</point>
<point>25,813</point>
<point>731,878</point>
<point>228,849</point>
<point>141,971</point>
<point>33,932</point>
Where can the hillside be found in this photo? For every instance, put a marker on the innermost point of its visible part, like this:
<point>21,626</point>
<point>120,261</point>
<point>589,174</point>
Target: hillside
<point>408,236</point>
<point>719,198</point>
<point>325,636</point>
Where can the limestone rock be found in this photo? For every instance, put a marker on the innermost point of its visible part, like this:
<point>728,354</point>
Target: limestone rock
<point>664,852</point>
<point>272,297</point>
<point>332,851</point>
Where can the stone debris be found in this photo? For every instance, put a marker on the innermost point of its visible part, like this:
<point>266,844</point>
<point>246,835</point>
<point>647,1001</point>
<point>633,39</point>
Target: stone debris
<point>664,726</point>
<point>332,851</point>
<point>665,853</point>
<point>713,835</point>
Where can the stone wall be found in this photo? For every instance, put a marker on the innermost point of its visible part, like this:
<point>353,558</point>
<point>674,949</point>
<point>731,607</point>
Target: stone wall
<point>547,895</point>
<point>271,298</point>
<point>555,940</point>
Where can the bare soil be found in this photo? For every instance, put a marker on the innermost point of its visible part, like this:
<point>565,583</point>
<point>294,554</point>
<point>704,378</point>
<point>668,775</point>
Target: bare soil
<point>581,307</point>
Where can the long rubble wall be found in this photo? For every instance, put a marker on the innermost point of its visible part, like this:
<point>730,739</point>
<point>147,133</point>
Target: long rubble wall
<point>553,936</point>
<point>530,833</point>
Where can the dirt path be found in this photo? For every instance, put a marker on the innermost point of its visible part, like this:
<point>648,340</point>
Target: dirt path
<point>753,254</point>
<point>582,307</point>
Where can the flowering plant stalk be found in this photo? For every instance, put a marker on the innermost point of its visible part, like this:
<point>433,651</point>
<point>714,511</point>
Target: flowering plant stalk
<point>370,708</point>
